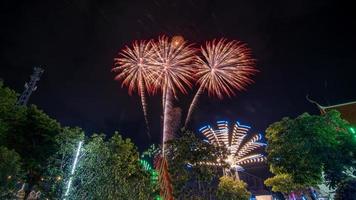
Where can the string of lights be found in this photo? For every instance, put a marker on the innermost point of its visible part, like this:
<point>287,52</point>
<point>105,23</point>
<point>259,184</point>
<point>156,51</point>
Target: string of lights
<point>239,148</point>
<point>74,166</point>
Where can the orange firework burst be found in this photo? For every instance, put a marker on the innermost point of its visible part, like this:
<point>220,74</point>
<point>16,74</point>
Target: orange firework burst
<point>223,68</point>
<point>135,72</point>
<point>173,62</point>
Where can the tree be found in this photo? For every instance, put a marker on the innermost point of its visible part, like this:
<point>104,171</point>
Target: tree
<point>110,170</point>
<point>28,131</point>
<point>60,163</point>
<point>147,160</point>
<point>190,176</point>
<point>10,115</point>
<point>10,165</point>
<point>107,169</point>
<point>34,139</point>
<point>230,189</point>
<point>283,183</point>
<point>304,147</point>
<point>10,172</point>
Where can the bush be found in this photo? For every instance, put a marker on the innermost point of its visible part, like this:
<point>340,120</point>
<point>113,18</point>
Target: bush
<point>230,189</point>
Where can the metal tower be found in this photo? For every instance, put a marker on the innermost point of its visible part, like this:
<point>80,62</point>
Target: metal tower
<point>30,86</point>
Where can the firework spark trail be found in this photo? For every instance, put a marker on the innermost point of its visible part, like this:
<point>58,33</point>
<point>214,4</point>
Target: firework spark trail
<point>193,105</point>
<point>167,131</point>
<point>173,74</point>
<point>223,68</point>
<point>135,72</point>
<point>144,105</point>
<point>164,92</point>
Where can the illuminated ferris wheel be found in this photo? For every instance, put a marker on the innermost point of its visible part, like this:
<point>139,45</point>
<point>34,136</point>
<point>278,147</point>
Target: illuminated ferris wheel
<point>240,145</point>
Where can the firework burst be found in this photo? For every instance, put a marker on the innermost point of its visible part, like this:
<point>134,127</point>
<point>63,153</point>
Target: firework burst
<point>172,60</point>
<point>171,66</point>
<point>223,68</point>
<point>134,71</point>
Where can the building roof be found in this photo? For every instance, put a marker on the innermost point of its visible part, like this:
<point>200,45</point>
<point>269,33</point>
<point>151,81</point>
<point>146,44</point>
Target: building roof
<point>347,110</point>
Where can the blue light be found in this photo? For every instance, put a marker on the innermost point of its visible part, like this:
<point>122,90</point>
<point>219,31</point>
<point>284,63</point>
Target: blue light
<point>261,143</point>
<point>204,127</point>
<point>243,126</point>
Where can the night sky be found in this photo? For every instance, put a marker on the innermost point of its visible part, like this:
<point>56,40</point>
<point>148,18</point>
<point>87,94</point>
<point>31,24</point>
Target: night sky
<point>302,47</point>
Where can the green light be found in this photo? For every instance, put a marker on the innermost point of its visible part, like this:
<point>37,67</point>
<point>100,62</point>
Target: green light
<point>146,165</point>
<point>352,130</point>
<point>158,198</point>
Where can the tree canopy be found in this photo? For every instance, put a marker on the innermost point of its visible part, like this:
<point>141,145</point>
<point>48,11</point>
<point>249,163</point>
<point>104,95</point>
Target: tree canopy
<point>190,176</point>
<point>230,189</point>
<point>283,183</point>
<point>35,149</point>
<point>10,172</point>
<point>301,149</point>
<point>59,164</point>
<point>111,170</point>
<point>29,132</point>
